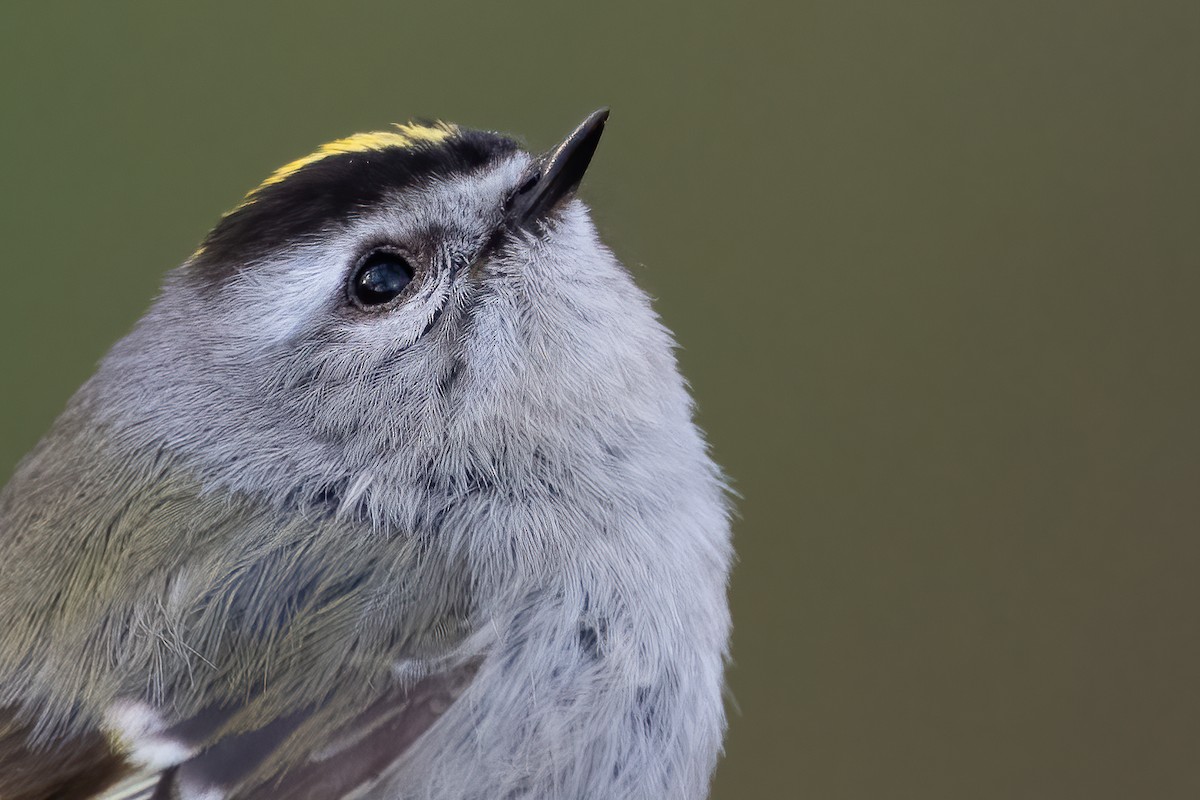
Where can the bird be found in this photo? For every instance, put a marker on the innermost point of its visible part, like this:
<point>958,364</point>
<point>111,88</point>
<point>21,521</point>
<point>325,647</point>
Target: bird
<point>395,491</point>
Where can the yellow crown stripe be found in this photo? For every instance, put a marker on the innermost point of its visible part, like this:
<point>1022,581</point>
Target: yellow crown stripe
<point>408,135</point>
<point>402,135</point>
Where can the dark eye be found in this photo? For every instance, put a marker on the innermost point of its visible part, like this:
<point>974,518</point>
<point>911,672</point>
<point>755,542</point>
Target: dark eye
<point>529,183</point>
<point>381,279</point>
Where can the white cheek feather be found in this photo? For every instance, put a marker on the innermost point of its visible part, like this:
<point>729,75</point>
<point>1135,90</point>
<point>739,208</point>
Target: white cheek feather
<point>274,300</point>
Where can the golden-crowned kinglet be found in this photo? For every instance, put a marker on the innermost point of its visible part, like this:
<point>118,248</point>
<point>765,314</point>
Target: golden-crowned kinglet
<point>394,492</point>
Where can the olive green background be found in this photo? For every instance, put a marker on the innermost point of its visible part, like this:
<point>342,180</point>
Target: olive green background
<point>934,270</point>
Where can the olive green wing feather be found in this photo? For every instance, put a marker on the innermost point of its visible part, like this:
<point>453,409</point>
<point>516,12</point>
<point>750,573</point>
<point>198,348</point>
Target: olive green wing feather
<point>333,762</point>
<point>125,583</point>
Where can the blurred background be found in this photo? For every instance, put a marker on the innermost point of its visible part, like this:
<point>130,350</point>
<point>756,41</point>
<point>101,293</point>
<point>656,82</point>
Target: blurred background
<point>933,266</point>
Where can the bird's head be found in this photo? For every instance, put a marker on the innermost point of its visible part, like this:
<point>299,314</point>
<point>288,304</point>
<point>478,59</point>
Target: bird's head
<point>422,305</point>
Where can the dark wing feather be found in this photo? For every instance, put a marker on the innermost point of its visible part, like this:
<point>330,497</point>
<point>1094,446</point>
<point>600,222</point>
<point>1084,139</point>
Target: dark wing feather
<point>70,770</point>
<point>349,758</point>
<point>364,750</point>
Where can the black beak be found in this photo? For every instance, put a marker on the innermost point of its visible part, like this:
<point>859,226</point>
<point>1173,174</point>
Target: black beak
<point>556,174</point>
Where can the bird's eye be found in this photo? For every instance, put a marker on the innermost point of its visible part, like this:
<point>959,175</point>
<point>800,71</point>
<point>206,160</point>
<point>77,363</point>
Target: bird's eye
<point>529,183</point>
<point>380,279</point>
